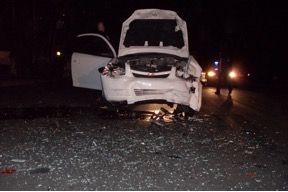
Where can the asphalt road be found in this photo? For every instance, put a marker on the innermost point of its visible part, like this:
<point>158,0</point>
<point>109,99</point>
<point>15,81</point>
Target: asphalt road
<point>57,138</point>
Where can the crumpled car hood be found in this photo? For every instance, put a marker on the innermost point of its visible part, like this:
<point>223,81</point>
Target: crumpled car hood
<point>134,42</point>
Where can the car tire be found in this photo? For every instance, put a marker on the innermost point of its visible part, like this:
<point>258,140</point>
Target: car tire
<point>186,109</point>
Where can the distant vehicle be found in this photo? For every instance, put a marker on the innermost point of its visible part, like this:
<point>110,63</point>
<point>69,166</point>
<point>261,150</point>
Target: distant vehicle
<point>153,62</point>
<point>234,75</point>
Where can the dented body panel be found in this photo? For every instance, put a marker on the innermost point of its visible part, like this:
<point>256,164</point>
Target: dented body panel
<point>134,89</point>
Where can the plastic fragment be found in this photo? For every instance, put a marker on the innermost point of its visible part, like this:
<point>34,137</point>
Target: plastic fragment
<point>251,174</point>
<point>8,171</point>
<point>18,160</point>
<point>248,152</point>
<point>40,170</point>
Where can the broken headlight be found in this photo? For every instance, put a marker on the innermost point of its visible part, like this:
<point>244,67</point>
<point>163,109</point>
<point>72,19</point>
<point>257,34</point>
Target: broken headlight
<point>112,70</point>
<point>184,75</point>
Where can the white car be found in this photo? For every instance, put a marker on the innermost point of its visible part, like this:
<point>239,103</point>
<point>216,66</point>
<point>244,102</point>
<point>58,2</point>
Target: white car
<point>153,62</point>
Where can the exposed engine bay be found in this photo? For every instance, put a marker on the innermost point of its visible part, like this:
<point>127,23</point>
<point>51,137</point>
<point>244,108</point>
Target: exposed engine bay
<point>152,65</point>
<point>155,63</point>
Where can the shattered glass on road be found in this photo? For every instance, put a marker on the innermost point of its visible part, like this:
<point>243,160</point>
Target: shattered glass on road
<point>68,140</point>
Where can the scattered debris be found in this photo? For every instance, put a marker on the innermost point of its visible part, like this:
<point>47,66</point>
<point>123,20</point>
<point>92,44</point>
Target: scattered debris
<point>174,156</point>
<point>251,174</point>
<point>178,150</point>
<point>248,152</point>
<point>158,123</point>
<point>133,163</point>
<point>206,141</point>
<point>190,118</point>
<point>198,120</point>
<point>258,180</point>
<point>160,137</point>
<point>8,171</point>
<point>18,160</point>
<point>40,170</point>
<point>260,166</point>
<point>45,140</point>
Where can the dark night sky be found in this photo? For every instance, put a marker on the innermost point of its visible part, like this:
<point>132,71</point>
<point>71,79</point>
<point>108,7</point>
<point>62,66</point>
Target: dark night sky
<point>251,32</point>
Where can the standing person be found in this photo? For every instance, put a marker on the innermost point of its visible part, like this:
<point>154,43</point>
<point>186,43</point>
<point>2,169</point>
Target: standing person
<point>219,77</point>
<point>229,78</point>
<point>225,68</point>
<point>102,30</point>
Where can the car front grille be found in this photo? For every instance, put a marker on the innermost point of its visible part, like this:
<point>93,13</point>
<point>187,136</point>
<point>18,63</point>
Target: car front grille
<point>150,75</point>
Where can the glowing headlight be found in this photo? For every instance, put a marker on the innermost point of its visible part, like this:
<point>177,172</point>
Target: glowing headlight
<point>211,74</point>
<point>232,74</point>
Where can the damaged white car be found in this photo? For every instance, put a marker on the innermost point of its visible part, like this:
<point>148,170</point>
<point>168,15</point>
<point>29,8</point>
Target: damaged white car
<point>153,62</point>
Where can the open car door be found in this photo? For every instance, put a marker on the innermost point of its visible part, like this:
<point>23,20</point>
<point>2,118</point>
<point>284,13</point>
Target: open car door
<point>91,52</point>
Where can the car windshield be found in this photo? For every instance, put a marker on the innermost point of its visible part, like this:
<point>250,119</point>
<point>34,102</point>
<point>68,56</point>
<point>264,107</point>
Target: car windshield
<point>154,32</point>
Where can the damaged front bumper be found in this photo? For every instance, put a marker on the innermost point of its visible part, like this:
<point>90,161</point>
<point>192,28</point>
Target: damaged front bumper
<point>134,89</point>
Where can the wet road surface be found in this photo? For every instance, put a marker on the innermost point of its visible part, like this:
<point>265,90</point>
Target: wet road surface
<point>66,139</point>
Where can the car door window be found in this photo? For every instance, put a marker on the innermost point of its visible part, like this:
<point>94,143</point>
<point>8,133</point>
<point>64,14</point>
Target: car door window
<point>93,46</point>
